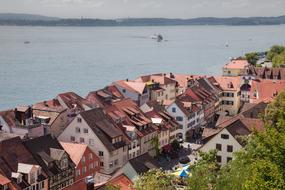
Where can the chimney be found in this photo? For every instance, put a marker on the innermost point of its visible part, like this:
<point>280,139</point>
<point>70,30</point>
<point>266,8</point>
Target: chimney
<point>127,80</point>
<point>45,103</point>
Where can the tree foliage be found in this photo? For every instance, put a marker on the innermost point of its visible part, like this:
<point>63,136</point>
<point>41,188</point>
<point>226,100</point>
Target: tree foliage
<point>276,54</point>
<point>260,165</point>
<point>112,187</point>
<point>252,57</point>
<point>204,173</point>
<point>155,179</point>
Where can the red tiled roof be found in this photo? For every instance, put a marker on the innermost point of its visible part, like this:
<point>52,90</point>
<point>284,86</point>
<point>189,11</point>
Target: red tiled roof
<point>158,78</point>
<point>266,89</point>
<point>75,151</point>
<point>4,180</point>
<point>228,83</point>
<point>123,182</point>
<point>237,64</point>
<point>71,99</point>
<point>133,86</point>
<point>50,105</point>
<point>79,185</point>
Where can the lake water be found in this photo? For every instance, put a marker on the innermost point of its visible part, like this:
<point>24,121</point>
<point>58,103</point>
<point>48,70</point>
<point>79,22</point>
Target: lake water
<point>82,59</point>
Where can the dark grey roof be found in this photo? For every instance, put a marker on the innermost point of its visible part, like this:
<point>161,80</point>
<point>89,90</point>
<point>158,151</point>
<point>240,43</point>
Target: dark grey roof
<point>254,110</point>
<point>40,149</point>
<point>103,127</point>
<point>144,163</point>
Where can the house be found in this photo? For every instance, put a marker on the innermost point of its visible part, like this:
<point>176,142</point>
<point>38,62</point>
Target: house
<point>265,90</point>
<point>53,160</point>
<point>230,95</point>
<point>137,91</point>
<point>138,166</point>
<point>87,163</point>
<point>227,137</point>
<point>121,181</point>
<point>208,99</point>
<point>183,81</point>
<point>265,73</point>
<point>96,130</point>
<point>235,67</point>
<point>21,121</point>
<point>18,168</point>
<point>189,115</point>
<point>138,128</point>
<point>52,115</point>
<point>73,103</point>
<point>166,124</point>
<point>161,87</point>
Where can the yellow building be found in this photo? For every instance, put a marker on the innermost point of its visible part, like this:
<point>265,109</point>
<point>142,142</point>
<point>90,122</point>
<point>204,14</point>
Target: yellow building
<point>235,67</point>
<point>230,96</point>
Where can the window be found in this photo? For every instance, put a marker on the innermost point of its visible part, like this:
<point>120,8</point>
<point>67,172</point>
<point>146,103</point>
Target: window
<point>79,120</point>
<point>91,142</point>
<point>219,159</point>
<point>229,159</point>
<point>84,170</point>
<point>77,130</point>
<point>72,139</point>
<point>173,110</point>
<point>81,140</point>
<point>111,164</point>
<point>219,147</point>
<point>179,118</point>
<point>116,162</point>
<point>83,159</point>
<point>85,130</point>
<point>77,173</point>
<point>224,136</point>
<point>101,153</point>
<point>124,90</point>
<point>230,148</point>
<point>91,166</point>
<point>42,184</point>
<point>90,156</point>
<point>101,164</point>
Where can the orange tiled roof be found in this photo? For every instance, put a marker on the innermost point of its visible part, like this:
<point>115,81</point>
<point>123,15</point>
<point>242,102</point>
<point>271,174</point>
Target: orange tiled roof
<point>134,86</point>
<point>75,151</point>
<point>123,182</point>
<point>236,64</point>
<point>228,83</point>
<point>266,89</point>
<point>4,180</point>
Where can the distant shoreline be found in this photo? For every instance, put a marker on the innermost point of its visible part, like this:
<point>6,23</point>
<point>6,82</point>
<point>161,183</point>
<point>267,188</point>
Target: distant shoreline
<point>36,20</point>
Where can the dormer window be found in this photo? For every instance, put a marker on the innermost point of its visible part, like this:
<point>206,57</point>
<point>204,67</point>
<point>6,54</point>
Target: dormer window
<point>64,163</point>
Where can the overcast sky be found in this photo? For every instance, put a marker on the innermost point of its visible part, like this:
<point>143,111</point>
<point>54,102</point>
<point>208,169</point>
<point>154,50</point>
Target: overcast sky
<point>145,8</point>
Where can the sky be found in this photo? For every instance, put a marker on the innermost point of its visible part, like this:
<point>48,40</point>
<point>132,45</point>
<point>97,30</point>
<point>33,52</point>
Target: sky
<point>145,8</point>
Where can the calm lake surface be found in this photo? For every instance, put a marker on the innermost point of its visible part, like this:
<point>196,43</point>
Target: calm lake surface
<point>83,59</point>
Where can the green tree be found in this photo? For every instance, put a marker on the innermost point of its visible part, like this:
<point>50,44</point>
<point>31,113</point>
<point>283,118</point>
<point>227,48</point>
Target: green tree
<point>279,59</point>
<point>155,179</point>
<point>260,165</point>
<point>252,57</point>
<point>204,172</point>
<point>274,50</point>
<point>155,143</point>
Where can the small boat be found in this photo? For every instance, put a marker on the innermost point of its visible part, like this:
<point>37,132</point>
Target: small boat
<point>157,37</point>
<point>27,42</point>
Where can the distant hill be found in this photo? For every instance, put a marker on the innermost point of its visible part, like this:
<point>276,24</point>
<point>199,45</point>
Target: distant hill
<point>31,17</point>
<point>38,20</point>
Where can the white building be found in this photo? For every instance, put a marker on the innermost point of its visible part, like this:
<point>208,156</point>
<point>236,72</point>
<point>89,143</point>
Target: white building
<point>189,116</point>
<point>104,138</point>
